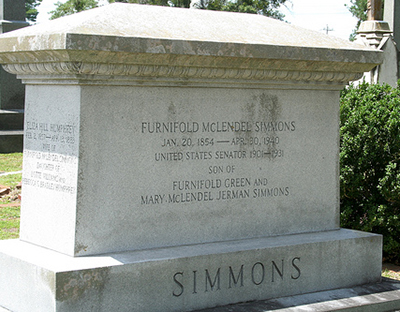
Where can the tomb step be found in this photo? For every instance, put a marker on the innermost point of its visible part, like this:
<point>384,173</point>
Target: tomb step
<point>11,141</point>
<point>377,297</point>
<point>195,277</point>
<point>12,119</point>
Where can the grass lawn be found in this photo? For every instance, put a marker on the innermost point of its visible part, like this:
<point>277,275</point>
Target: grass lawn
<point>10,162</point>
<point>10,203</point>
<point>9,222</point>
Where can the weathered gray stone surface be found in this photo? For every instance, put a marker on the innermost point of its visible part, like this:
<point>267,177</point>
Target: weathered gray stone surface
<point>167,160</point>
<point>246,130</point>
<point>388,71</point>
<point>384,296</point>
<point>205,183</point>
<point>130,21</point>
<point>119,34</point>
<point>184,278</point>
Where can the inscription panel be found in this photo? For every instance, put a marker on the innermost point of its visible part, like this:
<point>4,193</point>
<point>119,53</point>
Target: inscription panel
<point>45,146</point>
<point>222,148</point>
<point>50,169</point>
<point>201,165</point>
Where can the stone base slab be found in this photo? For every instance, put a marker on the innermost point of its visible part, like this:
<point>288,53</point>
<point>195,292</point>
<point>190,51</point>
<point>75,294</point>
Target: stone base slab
<point>187,278</point>
<point>378,297</point>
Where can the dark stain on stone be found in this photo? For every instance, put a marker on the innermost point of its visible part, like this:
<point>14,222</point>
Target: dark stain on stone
<point>73,286</point>
<point>269,107</point>
<point>172,111</point>
<point>79,248</point>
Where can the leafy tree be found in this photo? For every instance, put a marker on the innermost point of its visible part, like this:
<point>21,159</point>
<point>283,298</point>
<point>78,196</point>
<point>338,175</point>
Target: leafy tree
<point>153,2</point>
<point>370,163</point>
<point>72,6</point>
<point>358,9</point>
<point>31,11</point>
<point>264,7</point>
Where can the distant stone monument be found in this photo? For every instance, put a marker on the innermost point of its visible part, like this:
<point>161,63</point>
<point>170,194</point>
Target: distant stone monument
<point>12,92</point>
<point>373,29</point>
<point>172,167</point>
<point>374,12</point>
<point>381,34</point>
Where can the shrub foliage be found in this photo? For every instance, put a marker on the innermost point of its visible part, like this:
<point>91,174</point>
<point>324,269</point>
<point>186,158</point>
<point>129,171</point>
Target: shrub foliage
<point>370,163</point>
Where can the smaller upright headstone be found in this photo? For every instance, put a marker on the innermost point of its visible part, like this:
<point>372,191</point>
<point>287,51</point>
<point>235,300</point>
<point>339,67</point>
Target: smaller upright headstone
<point>12,91</point>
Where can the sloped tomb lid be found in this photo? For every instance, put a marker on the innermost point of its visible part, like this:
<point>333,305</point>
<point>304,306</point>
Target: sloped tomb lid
<point>144,29</point>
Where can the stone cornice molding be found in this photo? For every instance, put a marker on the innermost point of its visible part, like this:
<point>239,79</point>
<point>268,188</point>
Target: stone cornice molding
<point>167,52</point>
<point>87,70</point>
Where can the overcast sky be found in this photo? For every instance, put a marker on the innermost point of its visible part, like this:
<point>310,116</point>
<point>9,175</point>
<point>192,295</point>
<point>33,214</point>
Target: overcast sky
<point>312,14</point>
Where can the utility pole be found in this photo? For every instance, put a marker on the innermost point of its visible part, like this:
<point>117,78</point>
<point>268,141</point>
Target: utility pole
<point>327,29</point>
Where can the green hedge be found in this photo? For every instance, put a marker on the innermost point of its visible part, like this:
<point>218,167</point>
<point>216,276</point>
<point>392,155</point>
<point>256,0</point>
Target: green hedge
<point>370,163</point>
